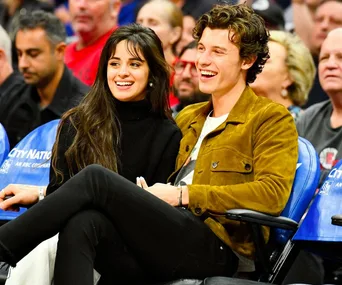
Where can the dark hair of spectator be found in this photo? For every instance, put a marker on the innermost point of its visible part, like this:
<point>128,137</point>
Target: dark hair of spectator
<point>53,27</point>
<point>191,45</point>
<point>98,128</point>
<point>249,32</point>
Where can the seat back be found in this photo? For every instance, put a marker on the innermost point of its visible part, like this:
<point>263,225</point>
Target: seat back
<point>304,186</point>
<point>29,162</point>
<point>4,144</point>
<point>317,226</point>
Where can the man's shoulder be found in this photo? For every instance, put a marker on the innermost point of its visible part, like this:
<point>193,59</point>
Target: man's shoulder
<point>316,109</point>
<point>189,113</point>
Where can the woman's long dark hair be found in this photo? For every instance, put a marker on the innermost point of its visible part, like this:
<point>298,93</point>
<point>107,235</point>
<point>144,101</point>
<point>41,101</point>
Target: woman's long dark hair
<point>97,126</point>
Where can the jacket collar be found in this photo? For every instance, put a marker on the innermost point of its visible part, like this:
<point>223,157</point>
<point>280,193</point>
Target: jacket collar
<point>238,114</point>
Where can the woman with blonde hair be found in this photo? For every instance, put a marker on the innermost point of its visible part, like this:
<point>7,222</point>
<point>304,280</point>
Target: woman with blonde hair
<point>288,74</point>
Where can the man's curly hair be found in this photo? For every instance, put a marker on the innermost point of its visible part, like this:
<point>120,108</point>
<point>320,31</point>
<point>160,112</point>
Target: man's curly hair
<point>249,32</point>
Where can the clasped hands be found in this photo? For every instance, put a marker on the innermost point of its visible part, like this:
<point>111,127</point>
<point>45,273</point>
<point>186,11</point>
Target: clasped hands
<point>166,192</point>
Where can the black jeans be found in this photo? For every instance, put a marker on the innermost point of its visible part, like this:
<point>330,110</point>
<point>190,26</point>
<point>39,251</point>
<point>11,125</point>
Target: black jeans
<point>128,234</point>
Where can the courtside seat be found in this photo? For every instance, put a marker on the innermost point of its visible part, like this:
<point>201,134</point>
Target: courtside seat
<point>4,144</point>
<point>28,162</point>
<point>270,263</point>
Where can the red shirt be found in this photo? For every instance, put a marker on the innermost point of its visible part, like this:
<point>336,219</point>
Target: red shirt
<point>84,62</point>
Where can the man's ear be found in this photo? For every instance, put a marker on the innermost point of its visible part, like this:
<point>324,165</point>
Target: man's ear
<point>115,7</point>
<point>247,63</point>
<point>60,51</point>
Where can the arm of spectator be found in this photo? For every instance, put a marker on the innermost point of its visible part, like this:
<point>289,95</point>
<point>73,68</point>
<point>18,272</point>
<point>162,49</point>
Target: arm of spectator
<point>302,20</point>
<point>274,164</point>
<point>22,195</point>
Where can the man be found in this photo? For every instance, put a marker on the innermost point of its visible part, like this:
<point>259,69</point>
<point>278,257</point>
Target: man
<point>321,124</point>
<point>9,80</point>
<point>186,79</point>
<point>92,22</point>
<point>50,88</point>
<point>328,16</point>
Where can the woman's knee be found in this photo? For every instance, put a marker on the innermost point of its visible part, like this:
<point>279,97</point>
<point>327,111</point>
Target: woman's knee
<point>85,224</point>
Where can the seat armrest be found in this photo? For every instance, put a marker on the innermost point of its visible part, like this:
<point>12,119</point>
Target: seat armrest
<point>255,217</point>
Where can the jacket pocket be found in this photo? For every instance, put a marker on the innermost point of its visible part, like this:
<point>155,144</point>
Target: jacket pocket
<point>229,166</point>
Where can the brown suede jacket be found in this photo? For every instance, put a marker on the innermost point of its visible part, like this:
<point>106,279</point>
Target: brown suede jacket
<point>249,161</point>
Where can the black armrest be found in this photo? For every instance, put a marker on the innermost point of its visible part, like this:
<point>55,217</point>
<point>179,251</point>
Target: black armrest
<point>255,217</point>
<point>336,220</point>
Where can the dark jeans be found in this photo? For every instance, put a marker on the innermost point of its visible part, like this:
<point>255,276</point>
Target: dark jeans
<point>126,233</point>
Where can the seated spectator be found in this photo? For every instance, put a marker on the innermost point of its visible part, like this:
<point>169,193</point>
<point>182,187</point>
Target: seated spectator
<point>291,70</point>
<point>92,22</point>
<point>62,12</point>
<point>10,10</point>
<point>148,234</point>
<point>166,20</point>
<point>126,128</point>
<point>195,8</point>
<point>271,12</point>
<point>185,83</point>
<point>328,16</point>
<point>321,124</point>
<point>9,80</point>
<point>50,88</point>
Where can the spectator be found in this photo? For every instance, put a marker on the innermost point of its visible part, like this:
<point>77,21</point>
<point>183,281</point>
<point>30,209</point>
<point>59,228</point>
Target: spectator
<point>10,10</point>
<point>151,235</point>
<point>271,12</point>
<point>292,70</point>
<point>166,20</point>
<point>9,80</point>
<point>321,123</point>
<point>50,87</point>
<point>186,79</point>
<point>93,22</point>
<point>328,16</point>
<point>126,128</point>
<point>195,8</point>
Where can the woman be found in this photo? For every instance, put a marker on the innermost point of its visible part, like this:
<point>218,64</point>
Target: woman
<point>123,123</point>
<point>166,19</point>
<point>134,235</point>
<point>289,73</point>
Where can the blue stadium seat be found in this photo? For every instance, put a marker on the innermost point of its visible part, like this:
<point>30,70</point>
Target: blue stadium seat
<point>29,162</point>
<point>4,144</point>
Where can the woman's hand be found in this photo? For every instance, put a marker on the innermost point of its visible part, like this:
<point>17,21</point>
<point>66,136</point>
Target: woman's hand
<point>166,192</point>
<point>22,195</point>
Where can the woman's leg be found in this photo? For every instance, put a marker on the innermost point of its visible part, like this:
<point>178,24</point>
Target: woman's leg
<point>169,241</point>
<point>89,240</point>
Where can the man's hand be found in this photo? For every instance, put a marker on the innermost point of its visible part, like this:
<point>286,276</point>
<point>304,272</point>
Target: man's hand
<point>22,195</point>
<point>166,192</point>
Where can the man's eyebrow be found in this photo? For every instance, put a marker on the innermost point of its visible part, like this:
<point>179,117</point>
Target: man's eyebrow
<point>30,50</point>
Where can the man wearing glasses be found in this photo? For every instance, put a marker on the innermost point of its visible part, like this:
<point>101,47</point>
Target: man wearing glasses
<point>186,79</point>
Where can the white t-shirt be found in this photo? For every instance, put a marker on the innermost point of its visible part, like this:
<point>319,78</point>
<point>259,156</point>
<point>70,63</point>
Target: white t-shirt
<point>186,174</point>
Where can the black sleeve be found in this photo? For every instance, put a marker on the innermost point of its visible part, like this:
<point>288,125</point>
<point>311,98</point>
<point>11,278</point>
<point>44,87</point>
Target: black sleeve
<point>168,160</point>
<point>66,138</point>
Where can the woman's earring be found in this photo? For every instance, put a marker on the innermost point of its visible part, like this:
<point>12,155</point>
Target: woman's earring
<point>151,84</point>
<point>284,93</point>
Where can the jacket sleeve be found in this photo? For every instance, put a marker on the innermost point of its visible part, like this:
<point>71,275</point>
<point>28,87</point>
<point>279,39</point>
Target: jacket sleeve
<point>275,154</point>
<point>168,160</point>
<point>66,138</point>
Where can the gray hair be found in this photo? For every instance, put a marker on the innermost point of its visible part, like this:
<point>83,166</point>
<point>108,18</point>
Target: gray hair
<point>6,44</point>
<point>53,27</point>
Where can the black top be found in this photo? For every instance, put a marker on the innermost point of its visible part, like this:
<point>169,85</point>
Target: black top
<point>13,84</point>
<point>20,113</point>
<point>149,145</point>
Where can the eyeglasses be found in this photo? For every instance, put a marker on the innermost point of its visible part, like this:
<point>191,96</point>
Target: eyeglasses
<point>180,65</point>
